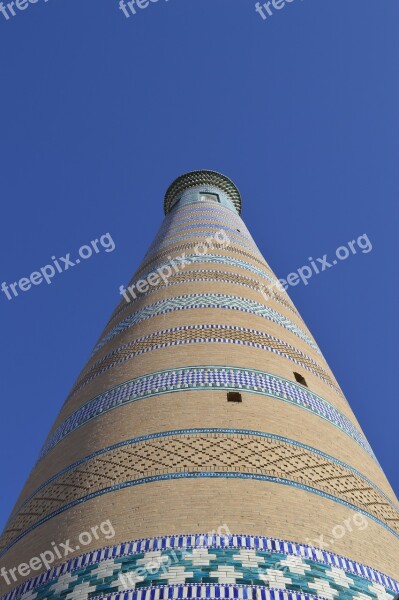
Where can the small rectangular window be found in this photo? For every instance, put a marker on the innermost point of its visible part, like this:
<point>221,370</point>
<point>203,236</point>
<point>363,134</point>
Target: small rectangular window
<point>300,379</point>
<point>208,197</point>
<point>234,397</point>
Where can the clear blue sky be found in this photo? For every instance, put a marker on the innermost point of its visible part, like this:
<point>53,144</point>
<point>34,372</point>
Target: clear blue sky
<point>99,113</point>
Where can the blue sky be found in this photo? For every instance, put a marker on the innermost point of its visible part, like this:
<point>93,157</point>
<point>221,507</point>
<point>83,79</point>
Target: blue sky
<point>99,113</point>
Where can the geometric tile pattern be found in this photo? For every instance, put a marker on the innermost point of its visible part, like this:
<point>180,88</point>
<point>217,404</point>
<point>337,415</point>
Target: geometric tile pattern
<point>197,301</point>
<point>170,229</point>
<point>203,452</point>
<point>212,210</point>
<point>190,334</point>
<point>197,226</point>
<point>189,276</point>
<point>202,233</point>
<point>193,245</point>
<point>202,378</point>
<point>202,229</point>
<point>191,218</point>
<point>208,258</point>
<point>236,567</point>
<point>197,230</point>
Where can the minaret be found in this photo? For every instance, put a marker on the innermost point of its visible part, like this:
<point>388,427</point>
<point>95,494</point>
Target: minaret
<point>206,449</point>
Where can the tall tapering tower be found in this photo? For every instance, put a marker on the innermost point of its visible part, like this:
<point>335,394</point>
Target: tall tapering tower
<point>206,450</point>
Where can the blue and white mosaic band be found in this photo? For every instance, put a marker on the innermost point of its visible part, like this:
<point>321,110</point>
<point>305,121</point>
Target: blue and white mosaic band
<point>198,301</point>
<point>200,378</point>
<point>209,566</point>
<point>191,334</point>
<point>205,275</point>
<point>213,259</point>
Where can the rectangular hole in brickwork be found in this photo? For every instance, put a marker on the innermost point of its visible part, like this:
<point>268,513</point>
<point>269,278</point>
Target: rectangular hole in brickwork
<point>234,397</point>
<point>300,379</point>
<point>207,197</point>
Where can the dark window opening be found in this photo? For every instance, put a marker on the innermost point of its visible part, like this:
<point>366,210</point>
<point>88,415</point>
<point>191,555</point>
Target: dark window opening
<point>234,397</point>
<point>300,379</point>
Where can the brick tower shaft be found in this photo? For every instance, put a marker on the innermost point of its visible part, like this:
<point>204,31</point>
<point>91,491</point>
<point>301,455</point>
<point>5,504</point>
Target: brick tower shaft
<point>206,449</point>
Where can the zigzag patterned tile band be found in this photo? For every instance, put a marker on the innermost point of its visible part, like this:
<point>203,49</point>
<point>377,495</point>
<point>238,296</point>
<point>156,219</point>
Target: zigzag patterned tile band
<point>200,378</point>
<point>210,258</point>
<point>197,301</point>
<point>206,258</point>
<point>201,334</point>
<point>210,566</point>
<point>233,253</point>
<point>190,451</point>
<point>212,276</point>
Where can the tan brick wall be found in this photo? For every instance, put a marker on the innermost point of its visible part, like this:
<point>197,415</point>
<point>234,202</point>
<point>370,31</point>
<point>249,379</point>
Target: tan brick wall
<point>198,506</point>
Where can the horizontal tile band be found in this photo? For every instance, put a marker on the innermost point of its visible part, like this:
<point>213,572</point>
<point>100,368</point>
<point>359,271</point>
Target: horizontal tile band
<point>195,218</point>
<point>198,475</point>
<point>205,209</point>
<point>181,223</point>
<point>202,230</point>
<point>211,334</point>
<point>213,259</point>
<point>229,591</point>
<point>196,214</point>
<point>234,259</point>
<point>234,254</point>
<point>194,224</point>
<point>199,238</point>
<point>184,447</point>
<point>198,301</point>
<point>202,378</point>
<point>213,276</point>
<point>265,552</point>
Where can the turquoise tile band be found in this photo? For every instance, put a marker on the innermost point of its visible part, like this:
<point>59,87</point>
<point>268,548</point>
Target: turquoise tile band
<point>208,566</point>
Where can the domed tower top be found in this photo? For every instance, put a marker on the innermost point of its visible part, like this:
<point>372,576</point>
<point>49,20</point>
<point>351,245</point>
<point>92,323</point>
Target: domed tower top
<point>197,186</point>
